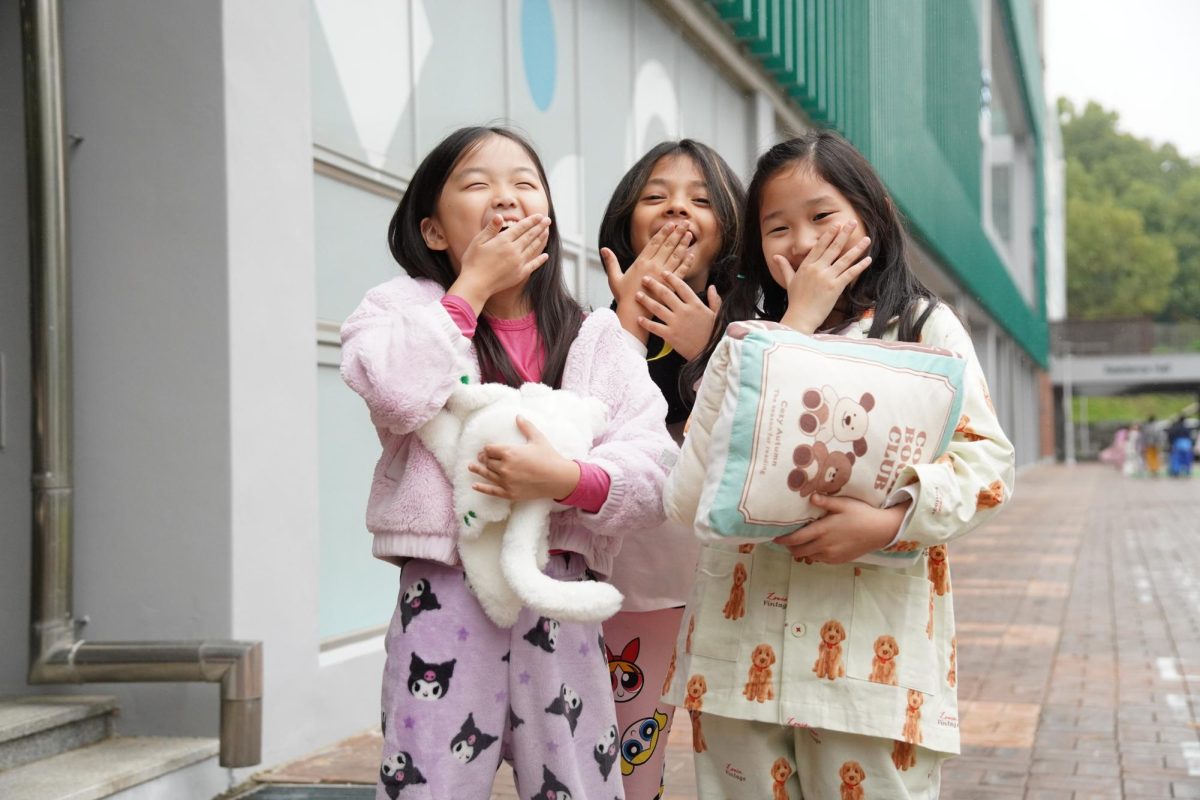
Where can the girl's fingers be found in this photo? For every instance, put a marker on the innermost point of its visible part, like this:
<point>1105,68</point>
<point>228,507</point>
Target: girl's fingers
<point>838,244</point>
<point>799,538</point>
<point>822,245</point>
<point>535,245</point>
<point>529,430</point>
<point>852,273</point>
<point>852,254</point>
<point>493,491</point>
<point>661,292</point>
<point>677,255</point>
<point>530,228</point>
<point>652,306</point>
<point>669,246</point>
<point>483,472</point>
<point>536,262</point>
<point>492,229</point>
<point>657,328</point>
<point>685,269</point>
<point>789,271</point>
<point>497,451</point>
<point>612,267</point>
<point>683,292</point>
<point>714,299</point>
<point>656,241</point>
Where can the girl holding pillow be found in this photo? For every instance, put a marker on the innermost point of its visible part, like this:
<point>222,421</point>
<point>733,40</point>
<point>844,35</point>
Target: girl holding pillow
<point>669,240</point>
<point>832,677</point>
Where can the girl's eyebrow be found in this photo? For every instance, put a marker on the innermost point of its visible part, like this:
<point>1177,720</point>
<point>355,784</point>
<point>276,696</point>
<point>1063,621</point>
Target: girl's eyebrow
<point>776,213</point>
<point>816,201</point>
<point>691,184</point>
<point>480,170</point>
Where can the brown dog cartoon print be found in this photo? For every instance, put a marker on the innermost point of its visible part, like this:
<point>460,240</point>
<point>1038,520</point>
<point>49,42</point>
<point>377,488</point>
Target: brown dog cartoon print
<point>939,569</point>
<point>883,666</point>
<point>735,606</point>
<point>781,770</point>
<point>852,775</point>
<point>990,496</point>
<point>829,651</point>
<point>758,682</point>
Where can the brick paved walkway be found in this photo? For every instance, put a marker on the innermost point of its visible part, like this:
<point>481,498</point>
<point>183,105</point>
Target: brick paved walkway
<point>1079,656</point>
<point>1068,692</point>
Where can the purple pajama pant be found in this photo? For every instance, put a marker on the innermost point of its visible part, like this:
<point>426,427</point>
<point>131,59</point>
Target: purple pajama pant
<point>460,693</point>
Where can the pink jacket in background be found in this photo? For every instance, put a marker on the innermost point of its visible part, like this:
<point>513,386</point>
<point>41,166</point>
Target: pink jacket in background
<point>398,351</point>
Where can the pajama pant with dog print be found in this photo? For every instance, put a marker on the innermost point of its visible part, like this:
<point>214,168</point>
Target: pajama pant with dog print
<point>460,693</point>
<point>760,759</point>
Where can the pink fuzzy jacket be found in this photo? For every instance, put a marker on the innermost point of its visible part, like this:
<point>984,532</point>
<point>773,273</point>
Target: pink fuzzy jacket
<point>398,351</point>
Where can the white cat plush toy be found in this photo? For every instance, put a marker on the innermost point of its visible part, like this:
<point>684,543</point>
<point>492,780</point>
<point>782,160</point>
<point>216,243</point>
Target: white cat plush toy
<point>503,544</point>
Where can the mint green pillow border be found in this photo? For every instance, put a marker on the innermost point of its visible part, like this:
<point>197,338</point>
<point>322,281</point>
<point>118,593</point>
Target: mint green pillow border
<point>724,517</point>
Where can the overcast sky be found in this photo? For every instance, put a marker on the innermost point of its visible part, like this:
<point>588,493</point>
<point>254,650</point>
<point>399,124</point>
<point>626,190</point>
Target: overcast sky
<point>1140,58</point>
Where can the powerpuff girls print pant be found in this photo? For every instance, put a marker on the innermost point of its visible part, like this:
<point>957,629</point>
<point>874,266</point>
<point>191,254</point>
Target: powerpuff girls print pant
<point>640,650</point>
<point>460,693</point>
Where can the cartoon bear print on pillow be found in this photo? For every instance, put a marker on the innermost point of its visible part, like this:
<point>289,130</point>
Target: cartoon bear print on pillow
<point>819,470</point>
<point>828,416</point>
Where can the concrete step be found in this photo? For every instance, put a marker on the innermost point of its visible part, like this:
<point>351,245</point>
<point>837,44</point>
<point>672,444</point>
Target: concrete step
<point>33,728</point>
<point>101,770</point>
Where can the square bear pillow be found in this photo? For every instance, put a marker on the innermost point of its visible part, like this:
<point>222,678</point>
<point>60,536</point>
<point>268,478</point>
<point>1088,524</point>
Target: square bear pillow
<point>783,415</point>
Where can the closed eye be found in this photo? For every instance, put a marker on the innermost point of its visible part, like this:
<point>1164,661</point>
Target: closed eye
<point>528,185</point>
<point>823,215</point>
<point>652,198</point>
<point>778,229</point>
<point>700,201</point>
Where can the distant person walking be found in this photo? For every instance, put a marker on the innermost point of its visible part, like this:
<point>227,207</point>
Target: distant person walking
<point>1180,443</point>
<point>1133,452</point>
<point>1151,440</point>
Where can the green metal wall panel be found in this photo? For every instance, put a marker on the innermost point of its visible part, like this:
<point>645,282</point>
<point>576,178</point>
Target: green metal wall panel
<point>901,80</point>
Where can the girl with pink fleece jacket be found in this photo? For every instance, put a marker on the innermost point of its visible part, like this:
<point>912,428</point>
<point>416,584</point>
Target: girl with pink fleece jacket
<point>475,235</point>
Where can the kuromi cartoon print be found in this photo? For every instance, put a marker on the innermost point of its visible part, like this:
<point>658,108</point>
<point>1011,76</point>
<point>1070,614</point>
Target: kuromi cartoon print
<point>552,787</point>
<point>397,773</point>
<point>544,634</point>
<point>428,681</point>
<point>418,598</point>
<point>568,704</point>
<point>469,742</point>
<point>605,752</point>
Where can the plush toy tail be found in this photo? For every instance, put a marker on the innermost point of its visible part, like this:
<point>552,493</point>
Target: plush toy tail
<point>524,549</point>
<point>480,557</point>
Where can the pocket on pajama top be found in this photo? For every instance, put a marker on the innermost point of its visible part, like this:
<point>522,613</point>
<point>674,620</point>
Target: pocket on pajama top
<point>888,640</point>
<point>718,604</point>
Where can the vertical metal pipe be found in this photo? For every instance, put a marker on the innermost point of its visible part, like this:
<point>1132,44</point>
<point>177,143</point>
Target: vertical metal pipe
<point>50,326</point>
<point>54,654</point>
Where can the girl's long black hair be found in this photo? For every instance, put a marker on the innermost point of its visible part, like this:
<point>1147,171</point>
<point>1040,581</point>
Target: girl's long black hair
<point>726,197</point>
<point>558,315</point>
<point>888,285</point>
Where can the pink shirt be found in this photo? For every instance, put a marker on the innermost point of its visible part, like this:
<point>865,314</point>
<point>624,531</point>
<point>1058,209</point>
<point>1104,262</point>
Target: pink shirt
<point>519,338</point>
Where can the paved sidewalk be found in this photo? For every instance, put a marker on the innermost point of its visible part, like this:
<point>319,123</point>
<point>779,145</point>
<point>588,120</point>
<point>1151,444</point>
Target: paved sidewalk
<point>1078,616</point>
<point>1079,656</point>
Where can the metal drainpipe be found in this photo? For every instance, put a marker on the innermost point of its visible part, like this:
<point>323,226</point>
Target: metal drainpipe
<point>56,654</point>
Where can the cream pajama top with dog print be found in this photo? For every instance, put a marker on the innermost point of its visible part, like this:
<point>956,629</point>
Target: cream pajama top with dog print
<point>854,648</point>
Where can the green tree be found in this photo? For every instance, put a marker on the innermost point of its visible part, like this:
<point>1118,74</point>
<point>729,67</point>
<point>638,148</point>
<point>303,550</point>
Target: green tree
<point>1133,221</point>
<point>1114,268</point>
